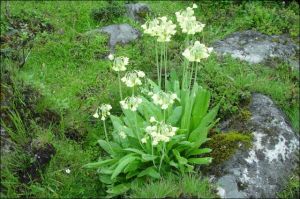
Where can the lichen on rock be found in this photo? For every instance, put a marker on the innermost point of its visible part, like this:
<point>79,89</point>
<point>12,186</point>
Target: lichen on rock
<point>255,47</point>
<point>263,169</point>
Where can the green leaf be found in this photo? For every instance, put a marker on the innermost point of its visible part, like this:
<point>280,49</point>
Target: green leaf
<point>105,179</point>
<point>199,142</point>
<point>99,164</point>
<point>133,141</point>
<point>123,162</point>
<point>207,122</point>
<point>117,122</point>
<point>187,107</point>
<point>106,146</point>
<point>181,160</point>
<point>184,145</point>
<point>176,88</point>
<point>200,106</point>
<point>129,118</point>
<point>149,109</point>
<point>148,157</point>
<point>131,174</point>
<point>206,160</point>
<point>174,164</point>
<point>150,171</point>
<point>107,171</point>
<point>199,151</point>
<point>175,116</point>
<point>175,139</point>
<point>134,150</point>
<point>132,166</point>
<point>119,189</point>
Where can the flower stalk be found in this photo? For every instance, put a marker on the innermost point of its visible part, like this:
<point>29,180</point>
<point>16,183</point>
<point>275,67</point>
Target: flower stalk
<point>120,87</point>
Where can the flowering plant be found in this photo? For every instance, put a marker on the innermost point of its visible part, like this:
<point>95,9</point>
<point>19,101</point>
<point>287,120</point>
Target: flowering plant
<point>188,22</point>
<point>153,141</point>
<point>162,129</point>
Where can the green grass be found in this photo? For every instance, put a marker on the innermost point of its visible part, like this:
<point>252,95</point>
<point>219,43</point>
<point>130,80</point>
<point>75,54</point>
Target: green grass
<point>292,189</point>
<point>70,70</point>
<point>188,185</point>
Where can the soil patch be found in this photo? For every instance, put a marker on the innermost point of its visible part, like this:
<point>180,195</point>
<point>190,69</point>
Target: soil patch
<point>42,157</point>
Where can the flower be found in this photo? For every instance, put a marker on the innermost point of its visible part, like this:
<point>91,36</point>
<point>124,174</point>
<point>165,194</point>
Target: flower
<point>159,132</point>
<point>161,27</point>
<point>103,110</point>
<point>163,99</point>
<point>122,134</point>
<point>150,27</point>
<point>96,115</point>
<point>165,30</point>
<point>196,52</point>
<point>111,57</point>
<point>120,63</point>
<point>187,21</point>
<point>68,171</point>
<point>152,119</point>
<point>144,139</point>
<point>131,103</point>
<point>132,79</point>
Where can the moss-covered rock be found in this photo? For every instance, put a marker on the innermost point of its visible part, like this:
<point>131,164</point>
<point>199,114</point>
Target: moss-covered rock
<point>224,145</point>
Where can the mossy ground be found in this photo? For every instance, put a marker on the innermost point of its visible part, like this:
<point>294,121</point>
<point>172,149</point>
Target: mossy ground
<point>69,76</point>
<point>224,145</point>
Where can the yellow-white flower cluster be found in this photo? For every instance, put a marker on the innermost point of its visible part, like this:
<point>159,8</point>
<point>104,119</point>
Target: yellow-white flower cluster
<point>162,28</point>
<point>151,27</point>
<point>159,132</point>
<point>122,134</point>
<point>196,52</point>
<point>132,79</point>
<point>131,103</point>
<point>102,110</point>
<point>187,21</point>
<point>119,63</point>
<point>163,99</point>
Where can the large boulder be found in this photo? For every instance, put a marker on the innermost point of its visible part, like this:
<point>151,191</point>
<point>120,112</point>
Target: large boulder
<point>262,170</point>
<point>255,47</point>
<point>137,11</point>
<point>119,33</point>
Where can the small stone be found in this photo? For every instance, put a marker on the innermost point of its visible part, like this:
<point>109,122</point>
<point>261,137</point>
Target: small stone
<point>137,11</point>
<point>119,34</point>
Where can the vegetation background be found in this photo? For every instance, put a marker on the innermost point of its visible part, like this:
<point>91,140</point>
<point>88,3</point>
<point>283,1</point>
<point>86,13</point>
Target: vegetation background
<point>53,77</point>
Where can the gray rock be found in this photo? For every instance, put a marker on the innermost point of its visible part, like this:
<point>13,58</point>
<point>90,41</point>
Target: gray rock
<point>120,33</point>
<point>137,11</point>
<point>262,170</point>
<point>6,143</point>
<point>255,47</point>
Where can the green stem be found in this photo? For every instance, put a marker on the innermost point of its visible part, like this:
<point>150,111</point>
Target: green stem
<point>161,63</point>
<point>184,74</point>
<point>137,130</point>
<point>105,131</point>
<point>133,91</point>
<point>157,64</point>
<point>162,157</point>
<point>191,75</point>
<point>166,54</point>
<point>185,67</point>
<point>120,88</point>
<point>152,154</point>
<point>196,72</point>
